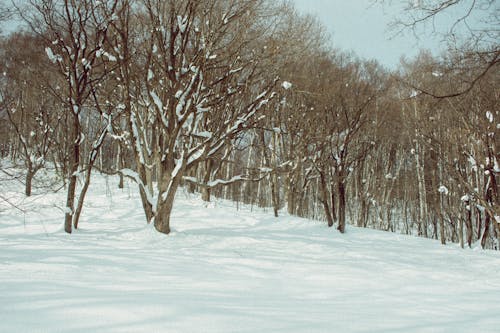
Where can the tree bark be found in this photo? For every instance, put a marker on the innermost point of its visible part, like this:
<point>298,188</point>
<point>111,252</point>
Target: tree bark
<point>119,165</point>
<point>164,208</point>
<point>96,148</point>
<point>342,205</point>
<point>29,180</point>
<point>290,196</point>
<point>162,219</point>
<point>441,229</point>
<point>468,225</point>
<point>168,185</point>
<point>422,198</point>
<point>324,199</point>
<point>146,204</point>
<point>486,232</point>
<point>275,193</point>
<point>73,170</point>
<point>205,190</point>
<point>83,192</point>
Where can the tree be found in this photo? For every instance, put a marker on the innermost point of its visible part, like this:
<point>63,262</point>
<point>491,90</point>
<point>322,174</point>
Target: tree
<point>472,36</point>
<point>198,91</point>
<point>5,12</point>
<point>27,102</point>
<point>75,33</point>
<point>346,102</point>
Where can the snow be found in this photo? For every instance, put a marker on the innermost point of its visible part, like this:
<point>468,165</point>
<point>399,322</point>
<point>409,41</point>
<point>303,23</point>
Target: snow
<point>489,116</point>
<point>236,70</point>
<point>443,190</point>
<point>286,85</point>
<point>52,57</point>
<point>216,182</point>
<point>204,134</point>
<point>135,133</point>
<point>157,101</point>
<point>110,56</point>
<point>182,22</point>
<point>227,270</point>
<point>135,176</point>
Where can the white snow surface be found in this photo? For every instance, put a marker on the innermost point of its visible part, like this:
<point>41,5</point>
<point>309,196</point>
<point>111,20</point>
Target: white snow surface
<point>224,269</point>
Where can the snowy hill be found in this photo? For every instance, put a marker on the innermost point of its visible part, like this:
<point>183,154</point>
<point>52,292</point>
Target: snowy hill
<point>228,270</point>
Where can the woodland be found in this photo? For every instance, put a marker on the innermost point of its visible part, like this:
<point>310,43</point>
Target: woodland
<point>248,100</point>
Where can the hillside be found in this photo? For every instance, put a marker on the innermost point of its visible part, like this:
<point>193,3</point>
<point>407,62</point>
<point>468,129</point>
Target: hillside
<point>224,269</point>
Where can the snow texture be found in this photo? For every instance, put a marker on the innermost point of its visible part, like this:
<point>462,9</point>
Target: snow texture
<point>286,85</point>
<point>227,270</point>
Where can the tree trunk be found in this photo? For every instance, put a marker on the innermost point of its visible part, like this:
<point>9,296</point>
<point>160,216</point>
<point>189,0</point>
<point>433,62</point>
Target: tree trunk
<point>362,213</point>
<point>168,185</point>
<point>205,193</point>
<point>290,195</point>
<point>486,231</point>
<point>324,199</point>
<point>205,190</point>
<point>461,232</point>
<point>70,200</point>
<point>164,210</point>
<point>119,165</point>
<point>434,227</point>
<point>333,210</point>
<point>275,193</point>
<point>29,180</point>
<point>490,196</point>
<point>422,198</point>
<point>73,170</point>
<point>468,224</point>
<point>441,229</point>
<point>342,205</point>
<point>121,183</point>
<point>479,221</point>
<point>83,192</point>
<point>147,206</point>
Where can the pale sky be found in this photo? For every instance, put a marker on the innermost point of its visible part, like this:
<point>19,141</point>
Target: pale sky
<point>363,28</point>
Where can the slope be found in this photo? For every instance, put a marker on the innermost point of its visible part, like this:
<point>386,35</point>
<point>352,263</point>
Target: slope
<point>228,270</point>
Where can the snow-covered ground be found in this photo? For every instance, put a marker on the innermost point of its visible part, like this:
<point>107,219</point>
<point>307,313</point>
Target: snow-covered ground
<point>228,270</point>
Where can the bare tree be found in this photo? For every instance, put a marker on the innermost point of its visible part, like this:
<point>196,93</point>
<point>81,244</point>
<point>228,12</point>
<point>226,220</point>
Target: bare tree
<point>30,108</point>
<point>75,34</point>
<point>5,12</point>
<point>472,36</point>
<point>197,92</point>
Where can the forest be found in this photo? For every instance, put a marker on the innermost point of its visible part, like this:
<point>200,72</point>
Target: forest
<point>248,100</point>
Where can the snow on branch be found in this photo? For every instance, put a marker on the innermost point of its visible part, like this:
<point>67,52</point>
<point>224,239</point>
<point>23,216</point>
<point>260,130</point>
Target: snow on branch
<point>129,173</point>
<point>224,182</point>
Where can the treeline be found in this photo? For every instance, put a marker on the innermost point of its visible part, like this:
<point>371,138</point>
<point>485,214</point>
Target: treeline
<point>246,100</point>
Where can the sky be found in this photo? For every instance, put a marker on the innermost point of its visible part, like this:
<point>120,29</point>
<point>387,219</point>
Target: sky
<point>362,27</point>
